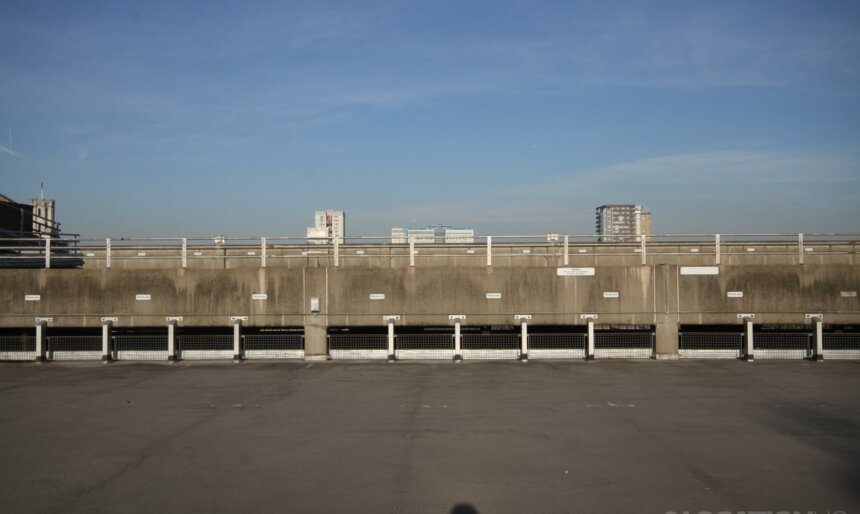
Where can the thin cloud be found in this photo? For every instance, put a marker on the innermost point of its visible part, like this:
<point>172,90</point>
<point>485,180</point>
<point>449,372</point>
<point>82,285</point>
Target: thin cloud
<point>9,151</point>
<point>82,154</point>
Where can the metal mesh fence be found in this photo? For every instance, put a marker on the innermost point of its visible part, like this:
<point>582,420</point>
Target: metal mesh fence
<point>424,346</point>
<point>140,347</point>
<point>557,345</point>
<point>841,345</point>
<point>358,346</point>
<point>205,346</point>
<point>490,346</point>
<point>74,347</point>
<point>274,346</point>
<point>17,348</point>
<point>710,345</point>
<point>782,345</point>
<point>623,344</point>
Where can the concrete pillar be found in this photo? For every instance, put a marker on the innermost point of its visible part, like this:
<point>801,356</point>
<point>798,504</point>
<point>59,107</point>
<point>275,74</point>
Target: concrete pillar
<point>589,347</point>
<point>41,340</point>
<point>566,250</point>
<point>316,342</point>
<point>391,356</point>
<point>171,340</point>
<point>666,345</point>
<point>748,339</point>
<point>237,339</point>
<point>489,250</point>
<point>107,325</point>
<point>818,338</point>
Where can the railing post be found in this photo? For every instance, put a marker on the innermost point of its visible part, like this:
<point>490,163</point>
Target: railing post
<point>642,239</point>
<point>489,250</point>
<point>107,326</point>
<point>107,253</point>
<point>566,250</point>
<point>458,348</point>
<point>748,339</point>
<point>589,352</point>
<point>171,339</point>
<point>524,336</point>
<point>336,241</point>
<point>800,249</point>
<point>391,356</point>
<point>262,252</point>
<point>184,252</point>
<point>41,339</point>
<point>237,337</point>
<point>411,252</point>
<point>48,252</point>
<point>818,336</point>
<point>717,248</point>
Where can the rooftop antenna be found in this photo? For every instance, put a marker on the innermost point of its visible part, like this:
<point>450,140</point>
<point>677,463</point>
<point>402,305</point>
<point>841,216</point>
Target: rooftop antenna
<point>42,190</point>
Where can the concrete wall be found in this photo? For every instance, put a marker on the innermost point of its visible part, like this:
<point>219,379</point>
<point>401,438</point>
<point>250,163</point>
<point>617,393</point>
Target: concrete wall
<point>647,295</point>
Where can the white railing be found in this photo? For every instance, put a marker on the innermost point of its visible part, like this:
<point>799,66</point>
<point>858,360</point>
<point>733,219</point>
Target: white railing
<point>563,249</point>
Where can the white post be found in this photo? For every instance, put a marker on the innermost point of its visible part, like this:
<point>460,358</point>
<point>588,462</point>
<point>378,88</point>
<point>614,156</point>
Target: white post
<point>184,252</point>
<point>411,252</point>
<point>41,339</point>
<point>262,252</point>
<point>458,353</point>
<point>819,338</point>
<point>489,250</point>
<point>748,339</point>
<point>642,239</point>
<point>524,340</point>
<point>48,252</point>
<point>237,340</point>
<point>107,253</point>
<point>171,340</point>
<point>717,248</point>
<point>566,250</point>
<point>336,241</point>
<point>589,353</point>
<point>800,249</point>
<point>106,330</point>
<point>391,356</point>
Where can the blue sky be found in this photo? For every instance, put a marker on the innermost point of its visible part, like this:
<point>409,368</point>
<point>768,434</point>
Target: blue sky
<point>201,118</point>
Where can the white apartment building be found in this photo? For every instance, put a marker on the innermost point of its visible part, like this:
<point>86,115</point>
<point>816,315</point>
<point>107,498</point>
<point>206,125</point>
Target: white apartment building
<point>327,224</point>
<point>623,223</point>
<point>433,234</point>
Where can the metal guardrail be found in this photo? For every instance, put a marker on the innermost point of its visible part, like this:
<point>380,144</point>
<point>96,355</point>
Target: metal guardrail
<point>266,251</point>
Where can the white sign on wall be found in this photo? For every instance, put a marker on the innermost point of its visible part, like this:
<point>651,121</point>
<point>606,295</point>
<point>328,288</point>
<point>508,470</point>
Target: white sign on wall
<point>610,294</point>
<point>143,297</point>
<point>259,296</point>
<point>494,296</point>
<point>377,296</point>
<point>735,294</point>
<point>575,272</point>
<point>700,270</point>
<point>32,297</point>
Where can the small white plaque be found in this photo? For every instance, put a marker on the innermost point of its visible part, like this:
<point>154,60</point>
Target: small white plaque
<point>582,250</point>
<point>694,250</point>
<point>359,252</point>
<point>848,294</point>
<point>700,270</point>
<point>750,249</point>
<point>809,249</point>
<point>198,254</point>
<point>494,296</point>
<point>377,296</point>
<point>637,250</point>
<point>90,254</point>
<point>143,297</point>
<point>141,254</point>
<point>259,296</point>
<point>735,294</point>
<point>610,294</point>
<point>575,272</point>
<point>527,250</point>
<point>32,297</point>
<point>470,251</point>
<point>252,253</point>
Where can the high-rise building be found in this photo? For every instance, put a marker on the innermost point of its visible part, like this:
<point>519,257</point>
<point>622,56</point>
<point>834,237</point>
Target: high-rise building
<point>328,224</point>
<point>433,234</point>
<point>623,223</point>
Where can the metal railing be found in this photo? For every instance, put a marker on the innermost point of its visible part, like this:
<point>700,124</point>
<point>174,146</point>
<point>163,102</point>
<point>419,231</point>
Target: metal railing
<point>424,346</point>
<point>17,347</point>
<point>560,250</point>
<point>624,344</point>
<point>782,345</point>
<point>560,345</point>
<point>710,345</point>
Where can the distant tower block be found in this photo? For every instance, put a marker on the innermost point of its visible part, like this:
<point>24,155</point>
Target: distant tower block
<point>43,217</point>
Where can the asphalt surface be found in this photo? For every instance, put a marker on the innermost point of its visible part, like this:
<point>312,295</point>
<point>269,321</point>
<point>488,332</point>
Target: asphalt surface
<point>430,438</point>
